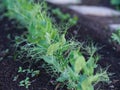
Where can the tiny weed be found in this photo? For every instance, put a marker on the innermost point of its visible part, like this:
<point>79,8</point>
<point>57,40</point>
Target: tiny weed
<point>26,82</point>
<point>28,73</point>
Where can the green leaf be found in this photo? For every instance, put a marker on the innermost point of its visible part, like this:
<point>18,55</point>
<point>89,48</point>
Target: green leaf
<point>48,38</point>
<point>20,69</point>
<point>37,72</point>
<point>79,62</point>
<point>21,83</point>
<point>87,85</point>
<point>64,76</point>
<point>52,61</point>
<point>53,48</point>
<point>49,59</point>
<point>116,37</point>
<point>84,83</point>
<point>63,40</point>
<point>89,69</point>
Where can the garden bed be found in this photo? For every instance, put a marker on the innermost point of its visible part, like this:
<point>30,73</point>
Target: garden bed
<point>44,81</point>
<point>9,67</point>
<point>100,19</point>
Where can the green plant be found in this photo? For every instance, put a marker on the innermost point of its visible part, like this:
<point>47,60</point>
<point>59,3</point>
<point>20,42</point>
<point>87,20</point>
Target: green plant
<point>26,82</point>
<point>116,3</point>
<point>29,71</point>
<point>78,75</point>
<point>65,17</point>
<point>44,41</point>
<point>116,37</point>
<point>28,74</point>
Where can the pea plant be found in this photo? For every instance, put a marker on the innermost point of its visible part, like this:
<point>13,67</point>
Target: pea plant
<point>44,41</point>
<point>65,17</point>
<point>116,37</point>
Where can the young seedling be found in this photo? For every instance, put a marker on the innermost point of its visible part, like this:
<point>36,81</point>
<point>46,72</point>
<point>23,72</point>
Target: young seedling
<point>28,73</point>
<point>25,83</point>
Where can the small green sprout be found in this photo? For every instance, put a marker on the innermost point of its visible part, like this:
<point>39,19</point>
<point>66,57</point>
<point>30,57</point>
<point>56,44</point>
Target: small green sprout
<point>29,71</point>
<point>26,82</point>
<point>20,70</point>
<point>15,78</point>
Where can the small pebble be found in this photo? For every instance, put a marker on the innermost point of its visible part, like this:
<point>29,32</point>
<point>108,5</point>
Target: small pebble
<point>112,86</point>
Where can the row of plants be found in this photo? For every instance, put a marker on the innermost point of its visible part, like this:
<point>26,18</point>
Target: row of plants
<point>71,62</point>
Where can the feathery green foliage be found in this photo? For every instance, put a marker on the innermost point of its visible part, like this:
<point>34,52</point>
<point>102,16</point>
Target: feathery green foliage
<point>44,42</point>
<point>65,17</point>
<point>116,37</point>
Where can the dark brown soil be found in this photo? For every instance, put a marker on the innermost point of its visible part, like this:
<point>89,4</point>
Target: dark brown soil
<point>9,67</point>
